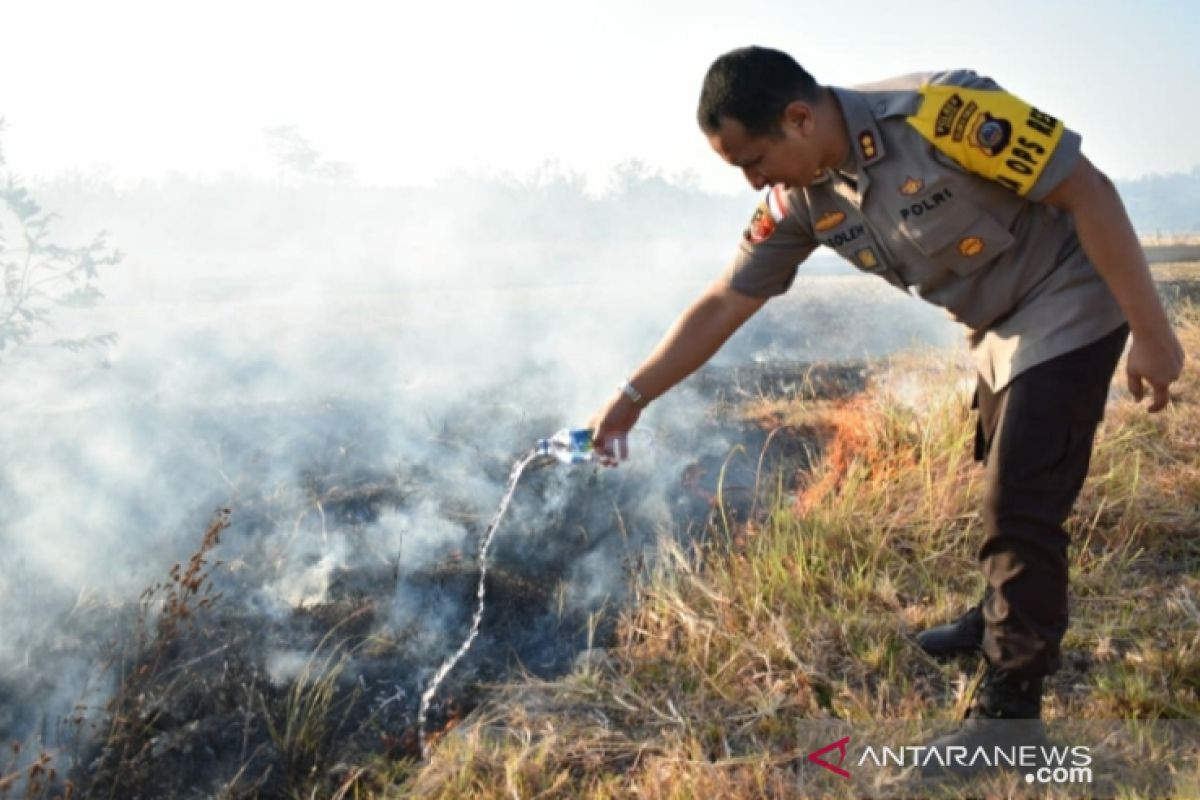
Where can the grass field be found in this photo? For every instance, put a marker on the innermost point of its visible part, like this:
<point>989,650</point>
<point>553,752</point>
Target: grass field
<point>747,644</point>
<point>806,613</point>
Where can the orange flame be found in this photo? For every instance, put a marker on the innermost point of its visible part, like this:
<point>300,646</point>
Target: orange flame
<point>851,433</point>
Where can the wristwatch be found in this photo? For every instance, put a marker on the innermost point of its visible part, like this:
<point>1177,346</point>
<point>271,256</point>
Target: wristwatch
<point>630,391</point>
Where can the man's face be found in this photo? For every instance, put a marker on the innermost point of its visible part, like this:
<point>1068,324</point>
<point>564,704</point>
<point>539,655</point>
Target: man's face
<point>790,157</point>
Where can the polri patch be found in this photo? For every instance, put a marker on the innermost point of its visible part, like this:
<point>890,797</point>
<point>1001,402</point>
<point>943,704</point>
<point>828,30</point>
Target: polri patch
<point>911,186</point>
<point>761,225</point>
<point>767,216</point>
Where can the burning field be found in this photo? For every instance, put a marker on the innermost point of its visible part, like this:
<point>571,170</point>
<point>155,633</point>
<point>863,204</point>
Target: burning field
<point>735,663</point>
<point>323,668</point>
<point>232,570</point>
<point>660,630</point>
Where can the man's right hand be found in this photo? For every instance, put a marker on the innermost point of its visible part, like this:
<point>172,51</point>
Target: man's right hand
<point>610,426</point>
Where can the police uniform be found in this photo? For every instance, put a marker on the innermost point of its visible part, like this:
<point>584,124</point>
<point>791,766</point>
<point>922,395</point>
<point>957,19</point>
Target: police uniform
<point>940,197</point>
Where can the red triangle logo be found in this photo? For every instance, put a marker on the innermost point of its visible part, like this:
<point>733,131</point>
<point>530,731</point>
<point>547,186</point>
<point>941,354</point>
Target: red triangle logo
<point>840,746</point>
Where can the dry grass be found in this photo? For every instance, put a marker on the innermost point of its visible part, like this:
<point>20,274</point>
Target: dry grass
<point>150,681</point>
<point>742,644</point>
<point>738,642</point>
<point>149,685</point>
<point>305,724</point>
<point>34,781</point>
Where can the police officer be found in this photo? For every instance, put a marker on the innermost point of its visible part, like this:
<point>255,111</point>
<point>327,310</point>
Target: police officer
<point>958,192</point>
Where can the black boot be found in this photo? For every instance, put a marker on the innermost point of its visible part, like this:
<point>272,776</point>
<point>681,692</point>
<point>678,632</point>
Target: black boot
<point>963,635</point>
<point>1005,713</point>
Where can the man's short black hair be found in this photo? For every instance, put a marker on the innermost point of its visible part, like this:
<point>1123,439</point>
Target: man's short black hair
<point>753,85</point>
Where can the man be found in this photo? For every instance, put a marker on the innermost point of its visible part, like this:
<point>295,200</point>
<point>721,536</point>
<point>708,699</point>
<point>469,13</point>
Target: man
<point>964,195</point>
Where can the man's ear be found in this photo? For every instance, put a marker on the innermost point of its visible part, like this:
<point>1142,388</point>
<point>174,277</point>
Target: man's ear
<point>799,115</point>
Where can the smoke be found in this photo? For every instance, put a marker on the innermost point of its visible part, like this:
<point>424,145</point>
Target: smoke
<point>352,371</point>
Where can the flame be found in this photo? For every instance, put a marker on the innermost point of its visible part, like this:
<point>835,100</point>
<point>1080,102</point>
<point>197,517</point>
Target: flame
<point>852,435</point>
<point>454,716</point>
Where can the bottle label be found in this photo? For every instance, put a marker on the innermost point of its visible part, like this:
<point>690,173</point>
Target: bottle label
<point>581,440</point>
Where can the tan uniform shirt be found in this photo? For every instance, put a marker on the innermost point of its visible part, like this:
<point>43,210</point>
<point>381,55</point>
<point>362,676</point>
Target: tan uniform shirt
<point>942,200</point>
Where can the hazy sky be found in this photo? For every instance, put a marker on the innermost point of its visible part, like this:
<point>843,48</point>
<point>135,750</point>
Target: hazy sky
<point>407,92</point>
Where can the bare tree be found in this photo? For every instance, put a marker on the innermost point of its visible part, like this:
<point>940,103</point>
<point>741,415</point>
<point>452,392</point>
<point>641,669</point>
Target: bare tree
<point>297,155</point>
<point>39,274</point>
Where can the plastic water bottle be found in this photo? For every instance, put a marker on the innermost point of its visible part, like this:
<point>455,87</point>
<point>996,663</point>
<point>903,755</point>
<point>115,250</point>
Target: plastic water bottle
<point>575,445</point>
<point>570,446</point>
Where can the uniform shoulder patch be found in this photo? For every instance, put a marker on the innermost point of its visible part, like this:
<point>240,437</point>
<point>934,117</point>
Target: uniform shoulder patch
<point>989,132</point>
<point>770,212</point>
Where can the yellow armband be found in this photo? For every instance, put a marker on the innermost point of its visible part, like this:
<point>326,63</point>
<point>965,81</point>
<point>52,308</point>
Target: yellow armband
<point>989,132</point>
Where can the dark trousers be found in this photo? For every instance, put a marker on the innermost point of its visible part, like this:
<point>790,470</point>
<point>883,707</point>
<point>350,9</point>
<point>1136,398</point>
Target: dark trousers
<point>1035,437</point>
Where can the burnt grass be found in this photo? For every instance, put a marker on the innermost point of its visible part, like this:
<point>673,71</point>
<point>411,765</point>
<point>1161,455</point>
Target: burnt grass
<point>197,713</point>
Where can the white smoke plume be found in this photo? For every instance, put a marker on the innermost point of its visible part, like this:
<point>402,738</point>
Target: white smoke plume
<point>351,371</point>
